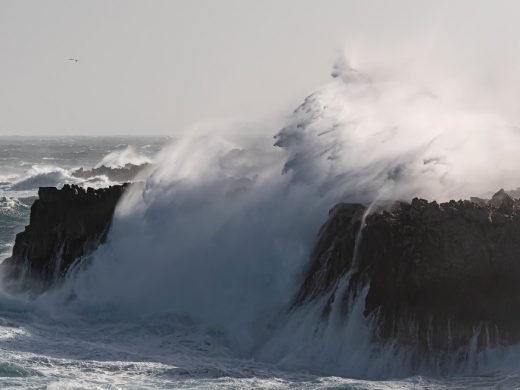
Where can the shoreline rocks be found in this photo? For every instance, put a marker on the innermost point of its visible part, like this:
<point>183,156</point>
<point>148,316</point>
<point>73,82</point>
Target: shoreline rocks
<point>439,276</point>
<point>65,225</point>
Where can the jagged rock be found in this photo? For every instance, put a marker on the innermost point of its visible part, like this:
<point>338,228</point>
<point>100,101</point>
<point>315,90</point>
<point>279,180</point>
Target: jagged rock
<point>437,274</point>
<point>64,225</point>
<point>502,201</point>
<point>479,201</point>
<point>126,173</point>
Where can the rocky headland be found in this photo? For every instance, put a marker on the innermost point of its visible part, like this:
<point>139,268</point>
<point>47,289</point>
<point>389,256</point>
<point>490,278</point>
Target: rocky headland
<point>65,225</point>
<point>439,276</point>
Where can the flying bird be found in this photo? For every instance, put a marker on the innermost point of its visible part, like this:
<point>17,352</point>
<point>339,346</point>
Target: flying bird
<point>73,59</point>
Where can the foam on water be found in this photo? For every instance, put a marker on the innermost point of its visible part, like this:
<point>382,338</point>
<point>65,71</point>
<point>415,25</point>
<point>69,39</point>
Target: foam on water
<point>120,157</point>
<point>11,370</point>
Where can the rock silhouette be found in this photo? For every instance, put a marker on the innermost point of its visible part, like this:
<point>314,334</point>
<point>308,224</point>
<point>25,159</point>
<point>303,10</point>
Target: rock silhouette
<point>439,276</point>
<point>65,225</point>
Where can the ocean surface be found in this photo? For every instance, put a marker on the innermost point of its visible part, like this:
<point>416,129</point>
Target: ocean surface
<point>155,311</point>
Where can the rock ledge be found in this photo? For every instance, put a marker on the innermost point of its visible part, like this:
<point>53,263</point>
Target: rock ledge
<point>65,225</point>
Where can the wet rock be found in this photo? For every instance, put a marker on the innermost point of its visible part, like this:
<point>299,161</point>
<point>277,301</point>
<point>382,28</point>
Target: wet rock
<point>65,225</point>
<point>438,275</point>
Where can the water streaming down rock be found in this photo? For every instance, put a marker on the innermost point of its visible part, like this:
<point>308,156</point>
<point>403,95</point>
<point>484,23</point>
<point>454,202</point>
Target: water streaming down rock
<point>439,276</point>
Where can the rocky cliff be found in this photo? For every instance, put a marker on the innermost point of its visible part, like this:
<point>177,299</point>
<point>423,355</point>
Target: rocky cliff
<point>65,225</point>
<point>439,276</point>
<point>126,173</point>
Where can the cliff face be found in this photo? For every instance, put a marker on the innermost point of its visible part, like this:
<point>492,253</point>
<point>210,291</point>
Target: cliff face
<point>64,225</point>
<point>438,275</point>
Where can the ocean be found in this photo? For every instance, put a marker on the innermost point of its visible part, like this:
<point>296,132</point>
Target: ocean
<point>152,312</point>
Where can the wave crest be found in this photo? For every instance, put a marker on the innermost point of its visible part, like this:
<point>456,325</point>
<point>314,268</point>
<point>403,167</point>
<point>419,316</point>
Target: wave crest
<point>120,157</point>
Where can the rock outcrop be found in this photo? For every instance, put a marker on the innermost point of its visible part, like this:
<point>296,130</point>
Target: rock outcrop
<point>65,225</point>
<point>439,276</point>
<point>125,174</point>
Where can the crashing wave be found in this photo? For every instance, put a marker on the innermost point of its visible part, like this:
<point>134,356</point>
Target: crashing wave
<point>126,173</point>
<point>119,158</point>
<point>389,136</point>
<point>50,176</point>
<point>226,243</point>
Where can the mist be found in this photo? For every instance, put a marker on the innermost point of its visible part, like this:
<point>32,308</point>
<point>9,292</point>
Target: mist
<point>220,231</point>
<point>273,127</point>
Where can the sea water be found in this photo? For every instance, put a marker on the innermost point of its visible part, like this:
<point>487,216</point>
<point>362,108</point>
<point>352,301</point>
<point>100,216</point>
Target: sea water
<point>104,342</point>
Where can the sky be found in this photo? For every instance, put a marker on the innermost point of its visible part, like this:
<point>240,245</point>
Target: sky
<point>163,67</point>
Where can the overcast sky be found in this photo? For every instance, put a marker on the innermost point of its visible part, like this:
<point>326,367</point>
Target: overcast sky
<point>159,67</point>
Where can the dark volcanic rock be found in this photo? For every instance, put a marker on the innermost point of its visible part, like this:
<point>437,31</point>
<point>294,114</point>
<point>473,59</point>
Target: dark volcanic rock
<point>123,174</point>
<point>501,200</point>
<point>438,275</point>
<point>64,225</point>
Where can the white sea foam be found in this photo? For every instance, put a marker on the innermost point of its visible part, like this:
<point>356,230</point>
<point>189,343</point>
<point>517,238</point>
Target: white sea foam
<point>42,176</point>
<point>49,176</point>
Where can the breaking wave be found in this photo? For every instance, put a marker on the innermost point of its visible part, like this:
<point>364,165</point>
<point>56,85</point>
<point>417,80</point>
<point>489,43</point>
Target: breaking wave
<point>51,176</point>
<point>120,157</point>
<point>220,232</point>
<point>13,215</point>
<point>42,176</point>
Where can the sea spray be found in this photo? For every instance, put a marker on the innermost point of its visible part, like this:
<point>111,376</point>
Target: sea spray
<point>120,157</point>
<point>359,235</point>
<point>208,238</point>
<point>224,243</point>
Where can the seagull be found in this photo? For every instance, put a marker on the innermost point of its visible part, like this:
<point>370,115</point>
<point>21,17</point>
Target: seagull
<point>73,59</point>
